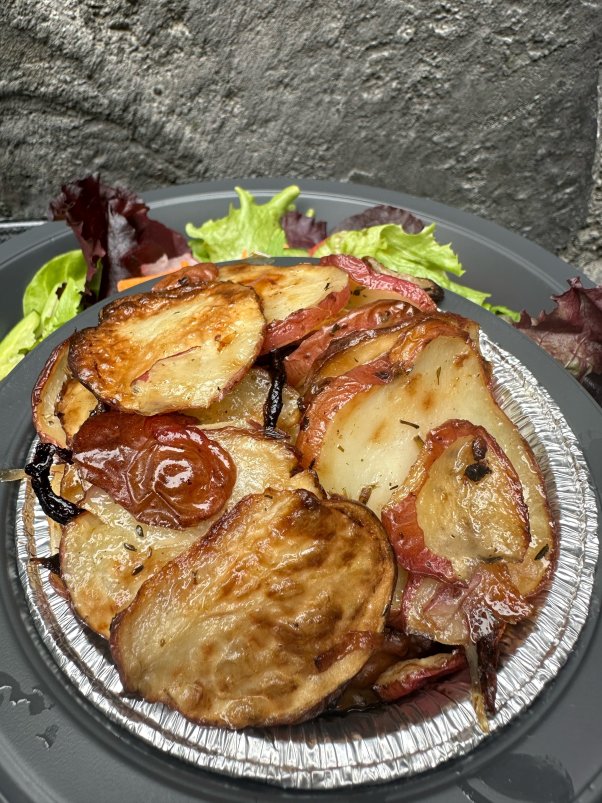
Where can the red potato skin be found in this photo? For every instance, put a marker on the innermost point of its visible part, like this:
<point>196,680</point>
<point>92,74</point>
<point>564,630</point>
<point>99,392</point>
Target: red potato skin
<point>379,313</point>
<point>38,390</point>
<point>418,672</point>
<point>322,407</point>
<point>332,398</point>
<point>303,321</point>
<point>407,540</point>
<point>400,519</point>
<point>188,276</point>
<point>138,461</point>
<point>361,273</point>
<point>408,348</point>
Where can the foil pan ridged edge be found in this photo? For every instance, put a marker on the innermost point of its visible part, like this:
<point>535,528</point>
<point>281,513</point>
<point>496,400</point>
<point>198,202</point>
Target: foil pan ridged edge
<point>395,740</point>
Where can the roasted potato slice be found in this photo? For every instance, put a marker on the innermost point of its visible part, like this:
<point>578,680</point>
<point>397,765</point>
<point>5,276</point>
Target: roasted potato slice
<point>170,350</point>
<point>106,554</point>
<point>371,315</point>
<point>357,348</point>
<point>364,431</point>
<point>243,405</point>
<point>60,403</point>
<point>363,275</point>
<point>461,505</point>
<point>231,632</point>
<point>295,300</point>
<point>413,674</point>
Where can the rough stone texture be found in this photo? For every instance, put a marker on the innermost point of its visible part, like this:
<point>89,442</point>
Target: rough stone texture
<point>584,250</point>
<point>484,105</point>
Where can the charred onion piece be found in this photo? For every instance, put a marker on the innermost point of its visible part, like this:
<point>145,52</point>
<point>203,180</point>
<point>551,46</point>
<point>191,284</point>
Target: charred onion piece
<point>274,401</point>
<point>38,470</point>
<point>50,562</point>
<point>163,469</point>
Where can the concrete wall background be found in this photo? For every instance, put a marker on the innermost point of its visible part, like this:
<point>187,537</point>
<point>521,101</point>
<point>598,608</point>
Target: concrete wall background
<point>488,106</point>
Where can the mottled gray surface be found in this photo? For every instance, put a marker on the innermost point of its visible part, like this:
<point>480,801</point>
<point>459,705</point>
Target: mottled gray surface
<point>584,249</point>
<point>484,105</point>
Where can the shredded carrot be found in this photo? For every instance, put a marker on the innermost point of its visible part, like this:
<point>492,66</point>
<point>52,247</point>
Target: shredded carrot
<point>245,253</point>
<point>125,284</point>
<point>314,248</point>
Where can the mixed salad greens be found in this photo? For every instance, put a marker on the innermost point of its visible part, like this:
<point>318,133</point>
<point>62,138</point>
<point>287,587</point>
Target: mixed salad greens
<point>120,243</point>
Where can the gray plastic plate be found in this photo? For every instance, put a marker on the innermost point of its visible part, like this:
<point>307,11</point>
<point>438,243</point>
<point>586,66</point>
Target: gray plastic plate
<point>56,747</point>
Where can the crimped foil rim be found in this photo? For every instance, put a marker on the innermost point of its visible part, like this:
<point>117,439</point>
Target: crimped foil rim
<point>393,741</point>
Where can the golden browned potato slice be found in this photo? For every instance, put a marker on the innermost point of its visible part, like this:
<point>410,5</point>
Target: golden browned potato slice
<point>365,435</point>
<point>106,554</point>
<point>295,300</point>
<point>244,404</point>
<point>60,403</point>
<point>232,632</point>
<point>172,350</point>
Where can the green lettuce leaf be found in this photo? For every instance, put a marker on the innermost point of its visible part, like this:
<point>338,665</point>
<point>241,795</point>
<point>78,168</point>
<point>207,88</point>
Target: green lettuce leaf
<point>20,340</point>
<point>416,254</point>
<point>52,297</point>
<point>252,228</point>
<point>503,312</point>
<point>45,286</point>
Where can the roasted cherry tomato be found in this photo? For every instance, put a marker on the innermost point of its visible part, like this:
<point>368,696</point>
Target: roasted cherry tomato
<point>163,469</point>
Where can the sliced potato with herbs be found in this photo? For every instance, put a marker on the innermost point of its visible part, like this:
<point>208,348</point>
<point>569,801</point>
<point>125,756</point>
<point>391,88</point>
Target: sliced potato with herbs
<point>170,350</point>
<point>60,403</point>
<point>398,344</point>
<point>373,315</point>
<point>295,300</point>
<point>106,554</point>
<point>460,506</point>
<point>244,405</point>
<point>363,432</point>
<point>232,632</point>
<point>357,348</point>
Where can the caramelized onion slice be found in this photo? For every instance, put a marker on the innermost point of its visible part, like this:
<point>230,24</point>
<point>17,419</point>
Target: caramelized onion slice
<point>228,633</point>
<point>163,469</point>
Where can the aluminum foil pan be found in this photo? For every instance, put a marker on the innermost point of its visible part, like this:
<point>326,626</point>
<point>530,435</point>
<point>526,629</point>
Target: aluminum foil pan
<point>395,740</point>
